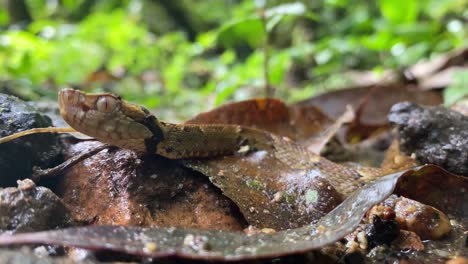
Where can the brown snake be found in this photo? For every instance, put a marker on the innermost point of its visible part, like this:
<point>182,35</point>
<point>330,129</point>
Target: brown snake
<point>112,120</point>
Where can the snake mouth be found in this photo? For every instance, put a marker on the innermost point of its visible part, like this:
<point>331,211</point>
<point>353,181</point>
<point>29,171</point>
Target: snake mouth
<point>105,117</point>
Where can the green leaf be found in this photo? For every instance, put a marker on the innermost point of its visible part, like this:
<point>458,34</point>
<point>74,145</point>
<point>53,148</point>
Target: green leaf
<point>379,41</point>
<point>413,54</point>
<point>276,14</point>
<point>295,9</point>
<point>399,11</point>
<point>417,32</point>
<point>337,3</point>
<point>207,40</point>
<point>226,89</point>
<point>3,16</point>
<point>438,9</point>
<point>279,63</point>
<point>249,30</point>
<point>273,21</point>
<point>260,3</point>
<point>458,89</point>
<point>228,57</point>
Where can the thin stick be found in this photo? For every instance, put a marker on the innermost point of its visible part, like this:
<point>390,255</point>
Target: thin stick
<point>37,130</point>
<point>49,173</point>
<point>269,92</point>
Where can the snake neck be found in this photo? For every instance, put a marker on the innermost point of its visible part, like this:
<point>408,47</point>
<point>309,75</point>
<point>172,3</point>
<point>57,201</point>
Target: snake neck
<point>195,141</point>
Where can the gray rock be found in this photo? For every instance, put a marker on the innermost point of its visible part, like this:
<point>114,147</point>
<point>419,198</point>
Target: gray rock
<point>18,157</point>
<point>436,135</point>
<point>30,208</point>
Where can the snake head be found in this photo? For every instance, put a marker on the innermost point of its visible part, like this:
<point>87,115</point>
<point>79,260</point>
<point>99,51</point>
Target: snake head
<point>108,118</point>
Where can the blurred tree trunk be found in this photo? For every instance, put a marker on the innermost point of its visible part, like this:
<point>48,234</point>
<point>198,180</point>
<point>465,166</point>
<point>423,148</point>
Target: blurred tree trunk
<point>18,12</point>
<point>179,13</point>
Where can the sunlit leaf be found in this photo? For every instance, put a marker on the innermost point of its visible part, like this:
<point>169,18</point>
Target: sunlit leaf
<point>228,57</point>
<point>458,89</point>
<point>338,3</point>
<point>3,16</point>
<point>438,9</point>
<point>296,8</point>
<point>379,41</point>
<point>399,11</point>
<point>277,13</point>
<point>207,39</point>
<point>279,63</point>
<point>249,31</point>
<point>260,3</point>
<point>273,21</point>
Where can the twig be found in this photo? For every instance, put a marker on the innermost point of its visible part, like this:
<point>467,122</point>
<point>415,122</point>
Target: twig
<point>36,131</point>
<point>39,173</point>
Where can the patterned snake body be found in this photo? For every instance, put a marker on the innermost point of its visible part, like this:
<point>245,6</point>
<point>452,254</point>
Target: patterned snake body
<point>111,120</point>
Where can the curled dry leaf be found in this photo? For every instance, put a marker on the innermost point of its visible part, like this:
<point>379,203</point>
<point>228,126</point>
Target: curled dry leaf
<point>318,143</point>
<point>378,104</point>
<point>427,68</point>
<point>272,115</point>
<point>268,114</point>
<point>214,245</point>
<point>365,138</point>
<point>434,186</point>
<point>268,192</point>
<point>281,186</point>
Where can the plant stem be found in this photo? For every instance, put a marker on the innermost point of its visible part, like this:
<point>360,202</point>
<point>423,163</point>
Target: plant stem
<point>269,92</point>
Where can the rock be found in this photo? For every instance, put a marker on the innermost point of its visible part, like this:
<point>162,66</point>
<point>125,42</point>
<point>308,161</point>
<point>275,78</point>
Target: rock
<point>30,208</point>
<point>119,187</point>
<point>435,135</point>
<point>426,221</point>
<point>354,257</point>
<point>18,157</point>
<point>381,232</point>
<point>408,240</point>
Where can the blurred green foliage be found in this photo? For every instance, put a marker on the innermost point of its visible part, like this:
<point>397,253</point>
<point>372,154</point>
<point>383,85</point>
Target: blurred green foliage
<point>458,90</point>
<point>144,55</point>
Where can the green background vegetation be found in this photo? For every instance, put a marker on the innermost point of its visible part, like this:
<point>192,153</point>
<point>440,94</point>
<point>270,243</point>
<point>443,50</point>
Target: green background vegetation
<point>191,55</point>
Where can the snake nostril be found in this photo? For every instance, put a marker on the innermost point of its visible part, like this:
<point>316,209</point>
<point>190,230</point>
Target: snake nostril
<point>84,107</point>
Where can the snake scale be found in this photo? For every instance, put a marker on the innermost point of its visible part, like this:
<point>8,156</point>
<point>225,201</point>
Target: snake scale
<point>112,120</point>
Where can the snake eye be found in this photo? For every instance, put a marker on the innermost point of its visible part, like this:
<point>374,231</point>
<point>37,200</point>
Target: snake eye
<point>106,104</point>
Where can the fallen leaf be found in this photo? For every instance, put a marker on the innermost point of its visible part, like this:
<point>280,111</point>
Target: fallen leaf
<point>316,144</point>
<point>333,104</point>
<point>217,246</point>
<point>271,115</point>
